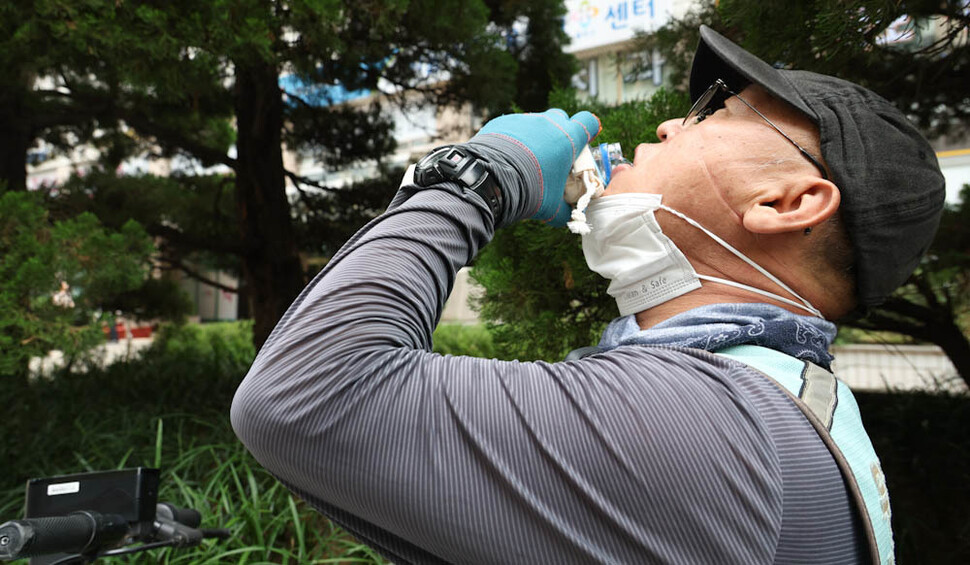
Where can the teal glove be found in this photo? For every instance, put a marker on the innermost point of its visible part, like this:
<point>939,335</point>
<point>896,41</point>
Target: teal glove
<point>541,149</point>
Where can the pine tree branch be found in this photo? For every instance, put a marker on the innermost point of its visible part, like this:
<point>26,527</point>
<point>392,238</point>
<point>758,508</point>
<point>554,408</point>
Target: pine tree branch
<point>881,322</point>
<point>173,264</point>
<point>907,308</point>
<point>301,180</point>
<point>177,139</point>
<point>927,292</point>
<point>181,239</point>
<point>66,113</point>
<point>92,103</point>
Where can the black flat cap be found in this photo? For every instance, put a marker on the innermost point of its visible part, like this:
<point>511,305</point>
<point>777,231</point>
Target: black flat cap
<point>890,181</point>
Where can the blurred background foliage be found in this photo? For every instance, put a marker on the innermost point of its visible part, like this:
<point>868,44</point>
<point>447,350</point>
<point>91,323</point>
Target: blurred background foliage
<point>190,80</point>
<point>38,255</point>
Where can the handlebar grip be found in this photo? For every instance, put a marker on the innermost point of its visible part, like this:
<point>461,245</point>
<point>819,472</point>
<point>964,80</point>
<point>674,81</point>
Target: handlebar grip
<point>75,533</point>
<point>185,516</point>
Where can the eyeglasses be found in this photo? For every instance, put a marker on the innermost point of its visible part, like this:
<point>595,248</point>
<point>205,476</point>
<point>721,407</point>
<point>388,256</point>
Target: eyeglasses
<point>710,102</point>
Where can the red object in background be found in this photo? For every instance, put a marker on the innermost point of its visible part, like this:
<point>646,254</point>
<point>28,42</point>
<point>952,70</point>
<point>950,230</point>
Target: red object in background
<point>141,331</point>
<point>136,332</point>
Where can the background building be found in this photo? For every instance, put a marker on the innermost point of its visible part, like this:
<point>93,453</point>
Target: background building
<point>602,34</point>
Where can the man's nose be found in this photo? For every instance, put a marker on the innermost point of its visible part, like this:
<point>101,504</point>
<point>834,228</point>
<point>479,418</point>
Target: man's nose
<point>669,128</point>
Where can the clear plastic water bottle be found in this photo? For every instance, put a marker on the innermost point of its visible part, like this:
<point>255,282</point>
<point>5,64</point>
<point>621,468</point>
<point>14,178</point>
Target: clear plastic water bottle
<point>607,156</point>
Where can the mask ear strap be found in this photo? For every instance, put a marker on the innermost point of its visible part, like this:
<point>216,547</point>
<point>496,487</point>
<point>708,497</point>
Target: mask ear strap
<point>761,292</point>
<point>805,304</point>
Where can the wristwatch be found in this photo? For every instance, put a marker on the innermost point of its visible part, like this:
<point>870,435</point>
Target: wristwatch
<point>458,164</point>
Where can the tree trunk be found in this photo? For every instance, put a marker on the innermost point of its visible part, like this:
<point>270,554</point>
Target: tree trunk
<point>949,337</point>
<point>271,264</point>
<point>15,140</point>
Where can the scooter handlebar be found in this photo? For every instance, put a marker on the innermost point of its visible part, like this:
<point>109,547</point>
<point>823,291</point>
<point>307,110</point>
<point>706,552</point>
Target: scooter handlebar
<point>74,533</point>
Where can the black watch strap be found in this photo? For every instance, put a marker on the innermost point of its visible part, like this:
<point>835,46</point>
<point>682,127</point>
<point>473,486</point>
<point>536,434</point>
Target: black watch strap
<point>458,164</point>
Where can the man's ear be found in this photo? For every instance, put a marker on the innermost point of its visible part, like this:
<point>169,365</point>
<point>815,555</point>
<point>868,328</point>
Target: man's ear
<point>804,203</point>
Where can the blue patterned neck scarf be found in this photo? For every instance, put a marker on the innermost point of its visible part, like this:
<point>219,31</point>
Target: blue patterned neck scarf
<point>717,326</point>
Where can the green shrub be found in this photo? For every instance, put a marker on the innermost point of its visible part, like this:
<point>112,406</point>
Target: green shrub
<point>39,254</point>
<point>224,347</point>
<point>461,339</point>
<point>188,369</point>
<point>921,440</point>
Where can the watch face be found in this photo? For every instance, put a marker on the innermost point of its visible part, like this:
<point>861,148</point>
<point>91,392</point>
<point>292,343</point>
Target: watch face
<point>427,171</point>
<point>433,157</point>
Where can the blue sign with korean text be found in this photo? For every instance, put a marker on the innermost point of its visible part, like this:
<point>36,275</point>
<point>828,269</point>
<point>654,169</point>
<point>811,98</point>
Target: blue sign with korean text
<point>593,23</point>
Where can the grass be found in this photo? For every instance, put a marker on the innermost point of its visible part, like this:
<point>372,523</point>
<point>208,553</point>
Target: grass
<point>222,480</point>
<point>204,467</point>
<point>169,410</point>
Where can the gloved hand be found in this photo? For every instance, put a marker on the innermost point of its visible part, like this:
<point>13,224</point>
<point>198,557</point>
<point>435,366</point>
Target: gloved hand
<point>531,156</point>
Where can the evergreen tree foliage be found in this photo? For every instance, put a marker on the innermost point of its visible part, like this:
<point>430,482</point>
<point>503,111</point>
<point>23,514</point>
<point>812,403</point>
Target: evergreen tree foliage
<point>540,299</point>
<point>912,52</point>
<point>189,78</point>
<point>534,36</point>
<point>37,256</point>
<point>328,218</point>
<point>191,218</point>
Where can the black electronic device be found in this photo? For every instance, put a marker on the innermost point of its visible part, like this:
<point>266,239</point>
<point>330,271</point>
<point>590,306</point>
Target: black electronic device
<point>76,519</point>
<point>128,493</point>
<point>131,493</point>
<point>459,164</point>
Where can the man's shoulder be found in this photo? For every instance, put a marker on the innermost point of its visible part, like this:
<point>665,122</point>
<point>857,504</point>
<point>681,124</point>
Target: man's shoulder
<point>684,384</point>
<point>694,365</point>
<point>695,382</point>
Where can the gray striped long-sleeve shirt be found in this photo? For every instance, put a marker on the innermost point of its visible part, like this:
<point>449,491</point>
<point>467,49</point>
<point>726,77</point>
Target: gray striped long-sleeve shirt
<point>636,455</point>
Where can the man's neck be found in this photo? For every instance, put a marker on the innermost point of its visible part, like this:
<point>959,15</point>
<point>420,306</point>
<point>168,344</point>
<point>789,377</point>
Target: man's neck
<point>709,293</point>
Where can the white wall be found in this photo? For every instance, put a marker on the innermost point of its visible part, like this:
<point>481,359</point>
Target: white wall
<point>457,309</point>
<point>955,165</point>
<point>213,303</point>
<point>896,367</point>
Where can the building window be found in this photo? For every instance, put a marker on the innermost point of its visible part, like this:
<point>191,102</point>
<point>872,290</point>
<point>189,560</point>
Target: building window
<point>587,79</point>
<point>638,66</point>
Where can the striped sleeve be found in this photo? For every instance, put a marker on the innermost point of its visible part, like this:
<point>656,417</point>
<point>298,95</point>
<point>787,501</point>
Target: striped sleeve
<point>634,456</point>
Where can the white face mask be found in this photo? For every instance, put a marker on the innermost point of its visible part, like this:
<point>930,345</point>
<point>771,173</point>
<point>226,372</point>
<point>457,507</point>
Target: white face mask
<point>626,246</point>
